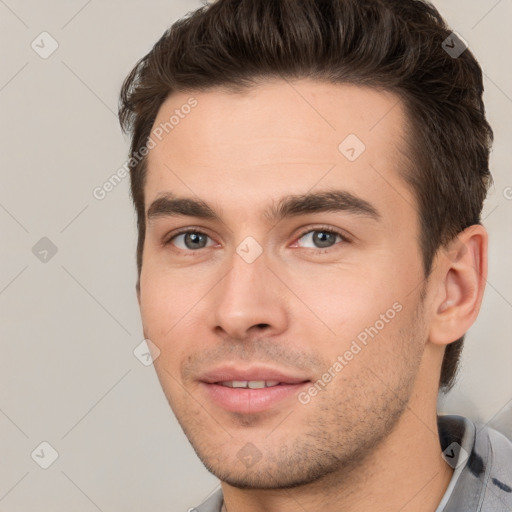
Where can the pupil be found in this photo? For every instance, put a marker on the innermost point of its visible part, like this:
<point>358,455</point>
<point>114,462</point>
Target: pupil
<point>192,240</point>
<point>323,239</point>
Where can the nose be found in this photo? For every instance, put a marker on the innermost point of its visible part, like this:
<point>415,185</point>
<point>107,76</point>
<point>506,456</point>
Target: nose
<point>249,301</point>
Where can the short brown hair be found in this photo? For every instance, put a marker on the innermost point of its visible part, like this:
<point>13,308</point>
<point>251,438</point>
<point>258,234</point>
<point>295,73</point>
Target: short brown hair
<point>392,45</point>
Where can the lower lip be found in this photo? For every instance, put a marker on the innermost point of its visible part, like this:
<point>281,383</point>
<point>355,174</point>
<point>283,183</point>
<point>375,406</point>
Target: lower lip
<point>248,401</point>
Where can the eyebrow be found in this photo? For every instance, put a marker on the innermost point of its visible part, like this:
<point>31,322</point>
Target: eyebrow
<point>169,205</point>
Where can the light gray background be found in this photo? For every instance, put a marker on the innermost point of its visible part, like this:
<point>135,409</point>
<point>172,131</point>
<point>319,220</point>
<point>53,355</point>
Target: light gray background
<point>69,325</point>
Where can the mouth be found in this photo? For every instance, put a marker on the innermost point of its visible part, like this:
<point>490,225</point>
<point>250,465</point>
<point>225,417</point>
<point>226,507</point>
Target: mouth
<point>251,391</point>
<point>249,384</point>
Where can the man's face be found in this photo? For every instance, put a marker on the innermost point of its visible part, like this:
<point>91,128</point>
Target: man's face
<point>321,305</point>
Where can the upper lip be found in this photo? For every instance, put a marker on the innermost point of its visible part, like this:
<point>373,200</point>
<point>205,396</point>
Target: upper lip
<point>253,373</point>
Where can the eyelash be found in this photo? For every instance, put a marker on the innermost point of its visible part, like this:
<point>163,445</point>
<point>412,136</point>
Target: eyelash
<point>323,229</point>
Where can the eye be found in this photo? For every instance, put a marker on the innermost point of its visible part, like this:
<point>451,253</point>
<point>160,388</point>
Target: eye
<point>190,240</point>
<point>321,238</point>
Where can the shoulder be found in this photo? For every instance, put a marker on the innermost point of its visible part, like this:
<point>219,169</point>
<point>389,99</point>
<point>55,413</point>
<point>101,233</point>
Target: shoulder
<point>499,450</point>
<point>483,477</point>
<point>212,504</point>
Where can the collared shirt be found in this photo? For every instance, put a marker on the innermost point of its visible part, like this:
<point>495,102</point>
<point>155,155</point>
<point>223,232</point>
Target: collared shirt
<point>482,462</point>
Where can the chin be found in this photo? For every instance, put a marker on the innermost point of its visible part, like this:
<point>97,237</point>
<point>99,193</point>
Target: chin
<point>263,480</point>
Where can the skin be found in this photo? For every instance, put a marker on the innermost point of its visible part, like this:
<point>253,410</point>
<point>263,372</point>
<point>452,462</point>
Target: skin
<point>297,307</point>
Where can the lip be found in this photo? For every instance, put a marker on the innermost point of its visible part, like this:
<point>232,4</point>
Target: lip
<point>246,400</point>
<point>227,373</point>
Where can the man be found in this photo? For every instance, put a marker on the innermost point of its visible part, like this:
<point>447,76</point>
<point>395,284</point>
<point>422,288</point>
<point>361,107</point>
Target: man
<point>308,177</point>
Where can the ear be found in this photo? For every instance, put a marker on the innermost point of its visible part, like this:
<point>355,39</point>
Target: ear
<point>461,276</point>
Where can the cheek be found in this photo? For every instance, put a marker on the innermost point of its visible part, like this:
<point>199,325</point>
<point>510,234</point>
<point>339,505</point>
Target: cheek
<point>164,300</point>
<point>155,304</point>
<point>169,312</point>
<point>366,323</point>
<point>346,300</point>
<point>160,313</point>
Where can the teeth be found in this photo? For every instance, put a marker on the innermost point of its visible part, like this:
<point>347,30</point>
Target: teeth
<point>256,384</point>
<point>251,384</point>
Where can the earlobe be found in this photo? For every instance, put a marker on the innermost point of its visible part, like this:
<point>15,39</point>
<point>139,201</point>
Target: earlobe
<point>462,274</point>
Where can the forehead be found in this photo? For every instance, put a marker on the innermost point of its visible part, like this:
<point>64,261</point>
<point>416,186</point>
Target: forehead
<point>278,137</point>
